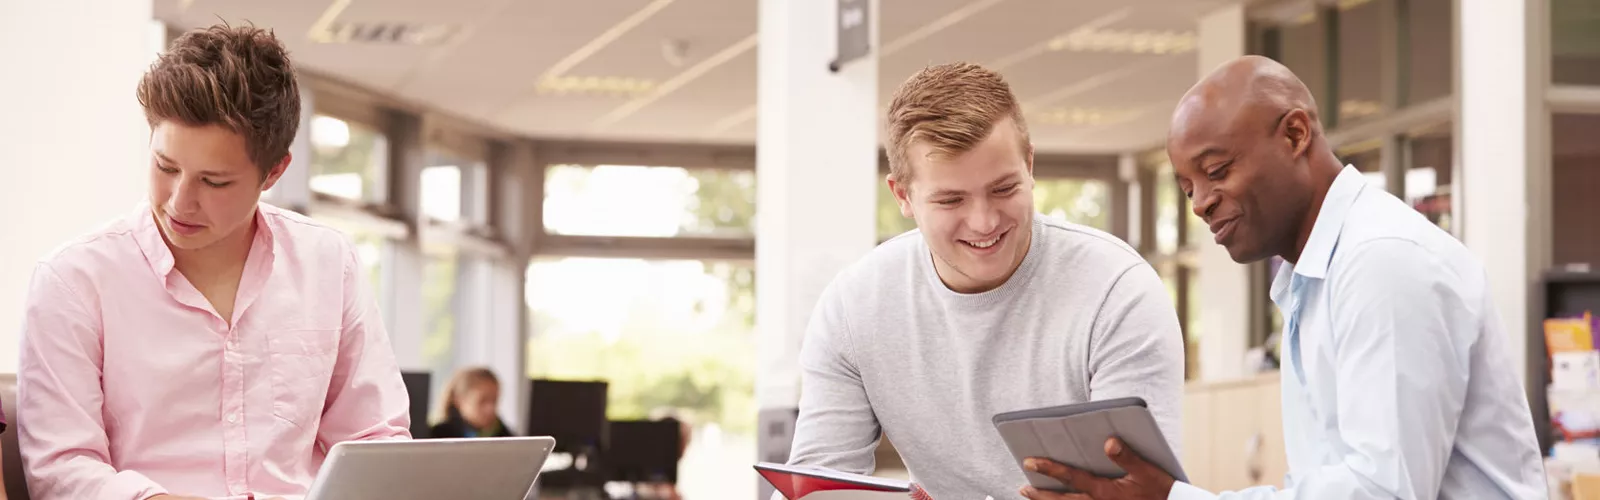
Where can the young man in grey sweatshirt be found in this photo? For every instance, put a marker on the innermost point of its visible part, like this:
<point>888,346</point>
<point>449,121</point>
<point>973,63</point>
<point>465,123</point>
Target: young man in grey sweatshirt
<point>985,308</point>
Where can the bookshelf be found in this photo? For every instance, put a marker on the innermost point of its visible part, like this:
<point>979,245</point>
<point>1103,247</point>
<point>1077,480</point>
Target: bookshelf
<point>1561,293</point>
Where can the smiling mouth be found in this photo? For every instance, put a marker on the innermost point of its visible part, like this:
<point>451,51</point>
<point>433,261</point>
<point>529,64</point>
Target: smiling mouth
<point>1223,231</point>
<point>985,244</point>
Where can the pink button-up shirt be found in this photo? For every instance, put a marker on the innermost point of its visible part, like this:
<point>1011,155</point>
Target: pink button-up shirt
<point>131,384</point>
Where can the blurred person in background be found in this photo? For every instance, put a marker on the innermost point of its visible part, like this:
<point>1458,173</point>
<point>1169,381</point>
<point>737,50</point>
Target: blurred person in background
<point>470,407</point>
<point>207,344</point>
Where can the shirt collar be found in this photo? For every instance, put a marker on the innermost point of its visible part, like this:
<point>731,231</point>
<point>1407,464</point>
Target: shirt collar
<point>1324,238</point>
<point>159,256</point>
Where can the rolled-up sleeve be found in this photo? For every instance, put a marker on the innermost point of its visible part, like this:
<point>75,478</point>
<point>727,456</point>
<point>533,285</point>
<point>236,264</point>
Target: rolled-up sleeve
<point>367,400</point>
<point>64,445</point>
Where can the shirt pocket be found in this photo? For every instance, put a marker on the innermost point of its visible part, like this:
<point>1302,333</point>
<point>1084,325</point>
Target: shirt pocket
<point>300,366</point>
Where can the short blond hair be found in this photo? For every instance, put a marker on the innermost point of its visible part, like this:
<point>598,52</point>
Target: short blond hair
<point>951,107</point>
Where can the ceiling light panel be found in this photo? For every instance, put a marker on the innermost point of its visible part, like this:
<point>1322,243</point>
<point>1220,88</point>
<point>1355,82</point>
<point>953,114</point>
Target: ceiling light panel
<point>1126,41</point>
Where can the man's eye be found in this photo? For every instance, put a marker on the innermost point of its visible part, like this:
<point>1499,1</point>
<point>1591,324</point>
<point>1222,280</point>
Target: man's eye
<point>949,201</point>
<point>1219,172</point>
<point>216,184</point>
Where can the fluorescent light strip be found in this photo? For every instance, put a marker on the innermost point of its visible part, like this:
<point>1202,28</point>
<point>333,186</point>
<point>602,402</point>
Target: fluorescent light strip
<point>600,42</point>
<point>319,30</point>
<point>679,81</point>
<point>1042,47</point>
<point>587,50</point>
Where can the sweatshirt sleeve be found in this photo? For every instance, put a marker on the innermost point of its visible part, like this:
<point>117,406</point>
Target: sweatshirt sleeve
<point>836,428</point>
<point>1136,349</point>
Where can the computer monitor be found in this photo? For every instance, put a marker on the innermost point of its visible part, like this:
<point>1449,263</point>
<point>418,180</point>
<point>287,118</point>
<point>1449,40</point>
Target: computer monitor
<point>644,451</point>
<point>573,412</point>
<point>418,386</point>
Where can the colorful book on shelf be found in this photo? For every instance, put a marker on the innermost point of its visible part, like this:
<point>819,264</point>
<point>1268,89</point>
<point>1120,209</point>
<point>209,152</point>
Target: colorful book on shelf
<point>1569,334</point>
<point>795,482</point>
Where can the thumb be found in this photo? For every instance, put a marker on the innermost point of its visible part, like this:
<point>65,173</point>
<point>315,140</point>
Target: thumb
<point>1130,461</point>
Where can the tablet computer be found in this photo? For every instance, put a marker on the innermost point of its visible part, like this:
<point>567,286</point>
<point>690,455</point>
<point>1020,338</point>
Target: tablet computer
<point>1076,434</point>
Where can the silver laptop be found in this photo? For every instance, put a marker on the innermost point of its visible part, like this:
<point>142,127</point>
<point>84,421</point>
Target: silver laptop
<point>468,469</point>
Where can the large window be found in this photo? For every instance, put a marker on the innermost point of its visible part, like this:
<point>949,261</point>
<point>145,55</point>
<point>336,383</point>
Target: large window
<point>454,193</point>
<point>348,160</point>
<point>668,334</point>
<point>1428,175</point>
<point>1575,172</point>
<point>1575,42</point>
<point>1429,68</point>
<point>614,200</point>
<point>674,335</point>
<point>440,279</point>
<point>1360,54</point>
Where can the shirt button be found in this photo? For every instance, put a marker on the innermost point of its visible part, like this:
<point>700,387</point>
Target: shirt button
<point>233,418</point>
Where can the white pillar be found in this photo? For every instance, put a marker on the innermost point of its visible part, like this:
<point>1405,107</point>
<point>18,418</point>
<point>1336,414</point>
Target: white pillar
<point>1496,172</point>
<point>817,134</point>
<point>76,142</point>
<point>1224,285</point>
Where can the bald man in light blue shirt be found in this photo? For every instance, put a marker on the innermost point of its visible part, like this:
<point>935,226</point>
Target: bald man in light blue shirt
<point>1397,375</point>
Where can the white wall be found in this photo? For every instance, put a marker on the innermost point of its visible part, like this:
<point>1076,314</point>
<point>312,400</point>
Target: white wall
<point>72,136</point>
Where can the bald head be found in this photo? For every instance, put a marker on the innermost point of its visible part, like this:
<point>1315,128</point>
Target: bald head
<point>1246,146</point>
<point>1244,91</point>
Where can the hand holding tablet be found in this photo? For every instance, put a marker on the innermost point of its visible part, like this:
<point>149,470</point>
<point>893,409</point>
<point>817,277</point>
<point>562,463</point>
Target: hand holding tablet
<point>1078,437</point>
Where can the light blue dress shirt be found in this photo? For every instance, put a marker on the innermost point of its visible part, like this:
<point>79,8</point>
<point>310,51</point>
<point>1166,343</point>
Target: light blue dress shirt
<point>1397,375</point>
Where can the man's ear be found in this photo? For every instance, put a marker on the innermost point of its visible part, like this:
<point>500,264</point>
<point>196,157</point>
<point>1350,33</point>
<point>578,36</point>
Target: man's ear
<point>1296,130</point>
<point>276,172</point>
<point>1030,159</point>
<point>902,195</point>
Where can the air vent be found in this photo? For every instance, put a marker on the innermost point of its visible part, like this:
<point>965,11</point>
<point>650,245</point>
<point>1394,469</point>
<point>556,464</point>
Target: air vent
<point>385,33</point>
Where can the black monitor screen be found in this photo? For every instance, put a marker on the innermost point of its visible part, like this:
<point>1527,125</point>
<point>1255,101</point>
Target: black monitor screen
<point>644,450</point>
<point>572,412</point>
<point>418,385</point>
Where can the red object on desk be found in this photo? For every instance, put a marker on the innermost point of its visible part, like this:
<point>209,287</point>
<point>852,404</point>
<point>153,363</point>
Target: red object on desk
<point>797,482</point>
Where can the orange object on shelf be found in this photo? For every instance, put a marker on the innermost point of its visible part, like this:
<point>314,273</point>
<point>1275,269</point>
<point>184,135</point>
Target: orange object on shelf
<point>1569,334</point>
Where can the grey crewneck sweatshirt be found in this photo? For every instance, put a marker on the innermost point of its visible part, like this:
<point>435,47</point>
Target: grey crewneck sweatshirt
<point>890,348</point>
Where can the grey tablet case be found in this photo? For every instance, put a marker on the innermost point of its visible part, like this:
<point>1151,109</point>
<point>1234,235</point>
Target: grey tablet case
<point>1076,434</point>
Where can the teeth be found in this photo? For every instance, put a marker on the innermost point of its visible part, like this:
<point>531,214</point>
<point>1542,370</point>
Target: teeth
<point>984,244</point>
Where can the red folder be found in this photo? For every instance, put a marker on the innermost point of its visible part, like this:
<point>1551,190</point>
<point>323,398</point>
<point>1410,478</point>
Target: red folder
<point>797,481</point>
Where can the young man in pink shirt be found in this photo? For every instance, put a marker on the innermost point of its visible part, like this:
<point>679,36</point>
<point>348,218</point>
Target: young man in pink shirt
<point>207,345</point>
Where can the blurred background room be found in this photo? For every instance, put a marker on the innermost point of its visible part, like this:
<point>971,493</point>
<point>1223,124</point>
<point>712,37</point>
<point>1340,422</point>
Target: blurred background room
<point>625,209</point>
